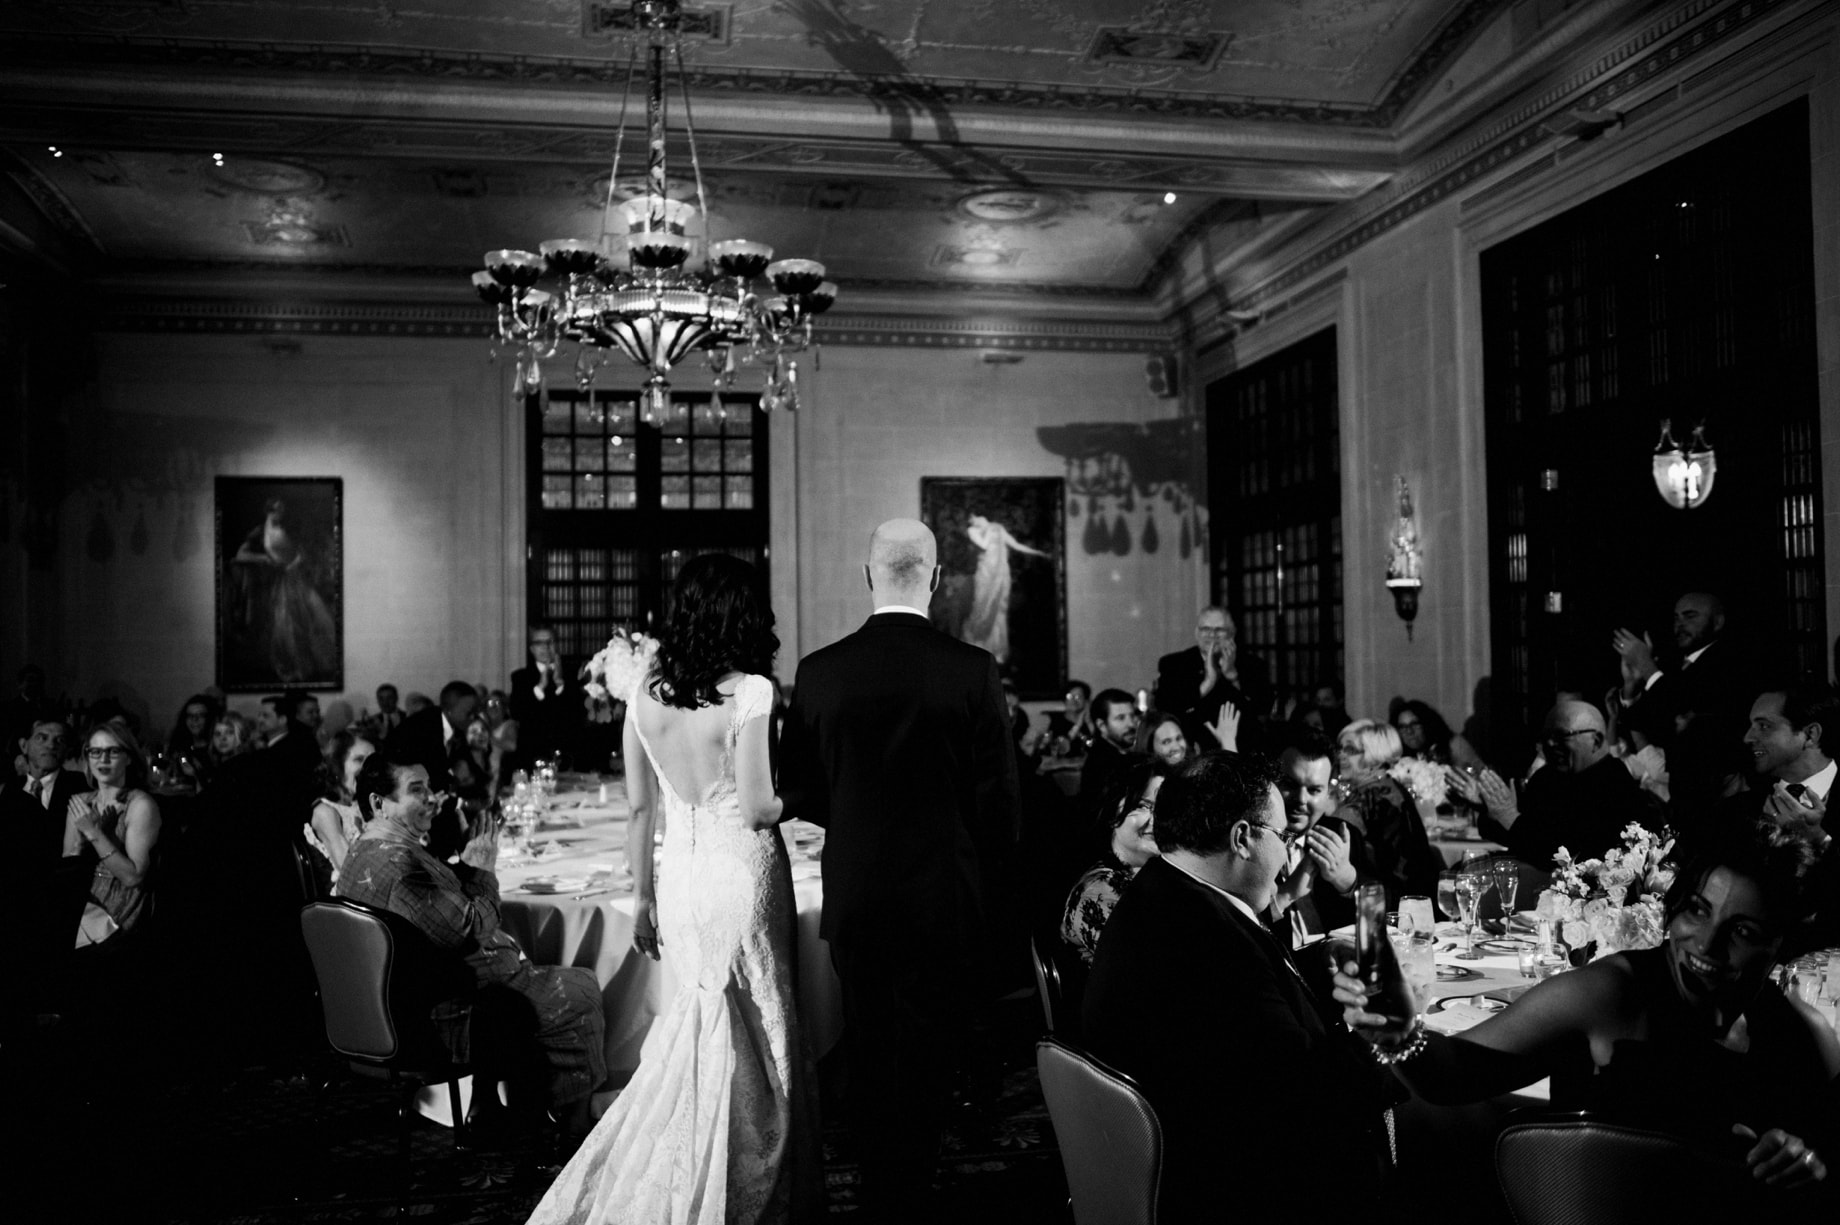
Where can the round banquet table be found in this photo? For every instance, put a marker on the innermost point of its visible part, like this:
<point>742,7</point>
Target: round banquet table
<point>588,921</point>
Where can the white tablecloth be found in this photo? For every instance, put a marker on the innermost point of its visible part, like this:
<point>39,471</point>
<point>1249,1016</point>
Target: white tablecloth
<point>584,838</point>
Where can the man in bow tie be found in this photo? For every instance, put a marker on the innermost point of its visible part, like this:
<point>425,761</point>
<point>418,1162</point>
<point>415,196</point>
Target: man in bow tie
<point>546,701</point>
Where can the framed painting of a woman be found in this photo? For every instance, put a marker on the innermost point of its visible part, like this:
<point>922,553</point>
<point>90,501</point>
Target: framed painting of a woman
<point>280,582</point>
<point>1003,581</point>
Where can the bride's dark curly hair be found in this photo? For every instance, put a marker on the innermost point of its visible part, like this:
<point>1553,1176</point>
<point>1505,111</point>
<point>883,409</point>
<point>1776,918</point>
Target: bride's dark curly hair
<point>720,622</point>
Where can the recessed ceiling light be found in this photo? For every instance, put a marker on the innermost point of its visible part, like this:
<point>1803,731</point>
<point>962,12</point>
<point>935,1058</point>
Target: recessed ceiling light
<point>1169,197</point>
<point>981,258</point>
<point>55,151</point>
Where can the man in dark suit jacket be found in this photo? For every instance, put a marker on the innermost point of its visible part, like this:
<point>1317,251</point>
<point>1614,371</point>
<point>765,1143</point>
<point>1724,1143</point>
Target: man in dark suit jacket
<point>432,739</point>
<point>1697,706</point>
<point>35,804</point>
<point>546,701</point>
<point>1326,857</point>
<point>1269,1106</point>
<point>1194,684</point>
<point>897,743</point>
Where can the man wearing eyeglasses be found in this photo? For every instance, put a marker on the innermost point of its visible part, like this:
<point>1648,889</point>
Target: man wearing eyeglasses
<point>1194,684</point>
<point>1580,800</point>
<point>1195,999</point>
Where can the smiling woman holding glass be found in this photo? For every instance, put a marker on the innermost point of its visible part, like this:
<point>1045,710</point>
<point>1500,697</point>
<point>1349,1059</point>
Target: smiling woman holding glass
<point>120,823</point>
<point>1690,1038</point>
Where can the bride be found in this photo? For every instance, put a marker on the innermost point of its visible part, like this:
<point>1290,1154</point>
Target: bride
<point>719,1122</point>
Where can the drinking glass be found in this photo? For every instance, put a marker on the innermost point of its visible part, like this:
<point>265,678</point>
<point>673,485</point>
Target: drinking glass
<point>1447,895</point>
<point>1470,888</point>
<point>1415,914</point>
<point>1507,875</point>
<point>1417,964</point>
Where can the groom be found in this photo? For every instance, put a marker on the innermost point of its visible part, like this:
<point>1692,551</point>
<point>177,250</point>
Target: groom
<point>898,745</point>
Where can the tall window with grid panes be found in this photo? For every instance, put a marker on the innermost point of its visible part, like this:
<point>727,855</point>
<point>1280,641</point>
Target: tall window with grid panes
<point>618,504</point>
<point>1275,510</point>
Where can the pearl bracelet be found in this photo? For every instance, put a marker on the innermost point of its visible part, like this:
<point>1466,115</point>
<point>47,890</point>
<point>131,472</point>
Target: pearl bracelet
<point>1419,1039</point>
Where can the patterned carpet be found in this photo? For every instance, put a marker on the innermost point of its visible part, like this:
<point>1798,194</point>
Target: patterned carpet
<point>260,1146</point>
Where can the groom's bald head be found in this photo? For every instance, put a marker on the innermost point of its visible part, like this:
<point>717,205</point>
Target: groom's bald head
<point>903,558</point>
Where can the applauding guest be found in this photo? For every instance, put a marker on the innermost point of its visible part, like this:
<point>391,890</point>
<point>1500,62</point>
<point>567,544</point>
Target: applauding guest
<point>1398,847</point>
<point>120,824</point>
<point>1192,996</point>
<point>1325,855</point>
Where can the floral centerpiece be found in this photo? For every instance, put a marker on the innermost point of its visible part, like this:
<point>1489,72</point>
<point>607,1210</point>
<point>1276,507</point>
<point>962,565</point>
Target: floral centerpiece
<point>1613,903</point>
<point>1424,779</point>
<point>616,671</point>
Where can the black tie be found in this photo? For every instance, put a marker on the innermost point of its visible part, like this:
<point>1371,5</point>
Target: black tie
<point>1796,790</point>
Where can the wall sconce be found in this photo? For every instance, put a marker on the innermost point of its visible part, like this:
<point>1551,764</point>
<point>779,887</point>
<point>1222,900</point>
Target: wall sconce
<point>1683,475</point>
<point>1404,564</point>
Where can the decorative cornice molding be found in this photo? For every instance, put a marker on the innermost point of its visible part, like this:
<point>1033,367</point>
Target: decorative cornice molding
<point>114,50</point>
<point>56,208</point>
<point>1633,63</point>
<point>444,320</point>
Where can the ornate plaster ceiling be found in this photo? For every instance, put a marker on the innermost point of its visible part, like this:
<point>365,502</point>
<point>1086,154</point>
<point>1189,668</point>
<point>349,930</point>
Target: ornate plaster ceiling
<point>951,144</point>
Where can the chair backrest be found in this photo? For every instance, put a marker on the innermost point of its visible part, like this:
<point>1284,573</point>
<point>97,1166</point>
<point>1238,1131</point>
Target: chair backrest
<point>1111,1143</point>
<point>354,957</point>
<point>1047,985</point>
<point>1577,1170</point>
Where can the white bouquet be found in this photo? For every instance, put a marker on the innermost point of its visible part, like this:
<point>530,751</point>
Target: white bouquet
<point>1614,902</point>
<point>1424,779</point>
<point>616,670</point>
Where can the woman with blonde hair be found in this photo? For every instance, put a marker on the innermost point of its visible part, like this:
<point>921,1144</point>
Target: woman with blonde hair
<point>119,822</point>
<point>1399,847</point>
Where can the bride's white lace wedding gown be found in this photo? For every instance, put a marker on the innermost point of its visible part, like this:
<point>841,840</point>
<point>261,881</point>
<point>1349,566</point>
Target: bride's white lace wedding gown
<point>718,1124</point>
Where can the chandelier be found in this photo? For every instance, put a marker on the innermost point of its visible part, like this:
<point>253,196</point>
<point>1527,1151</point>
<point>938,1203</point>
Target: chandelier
<point>635,293</point>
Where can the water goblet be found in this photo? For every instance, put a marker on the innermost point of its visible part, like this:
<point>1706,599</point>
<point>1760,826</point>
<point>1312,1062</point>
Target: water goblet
<point>1415,914</point>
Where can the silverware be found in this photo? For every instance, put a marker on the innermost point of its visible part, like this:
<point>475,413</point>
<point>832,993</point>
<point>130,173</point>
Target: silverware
<point>590,893</point>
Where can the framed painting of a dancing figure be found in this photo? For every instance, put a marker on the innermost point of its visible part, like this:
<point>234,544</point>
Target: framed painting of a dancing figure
<point>280,582</point>
<point>1003,582</point>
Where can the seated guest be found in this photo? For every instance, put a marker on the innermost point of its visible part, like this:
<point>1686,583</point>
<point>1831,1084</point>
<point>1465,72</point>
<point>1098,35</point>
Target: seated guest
<point>1331,707</point>
<point>191,734</point>
<point>389,714</point>
<point>120,823</point>
<point>232,735</point>
<point>1788,739</point>
<point>1161,737</point>
<point>1194,684</point>
<point>435,739</point>
<point>336,820</point>
<point>35,803</point>
<point>1581,799</point>
<point>1398,848</point>
<point>546,700</point>
<point>1072,723</point>
<point>1116,718</point>
<point>1191,996</point>
<point>484,769</point>
<point>1424,734</point>
<point>1690,1037</point>
<point>456,907</point>
<point>1324,857</point>
<point>1127,827</point>
<point>497,714</point>
<point>303,711</point>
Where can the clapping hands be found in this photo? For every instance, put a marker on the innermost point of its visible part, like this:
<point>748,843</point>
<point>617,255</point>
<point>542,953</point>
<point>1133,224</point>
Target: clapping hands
<point>1225,727</point>
<point>1636,659</point>
<point>481,849</point>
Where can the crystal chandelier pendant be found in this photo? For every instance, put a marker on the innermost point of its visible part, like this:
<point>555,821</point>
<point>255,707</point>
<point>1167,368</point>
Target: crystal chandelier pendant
<point>640,293</point>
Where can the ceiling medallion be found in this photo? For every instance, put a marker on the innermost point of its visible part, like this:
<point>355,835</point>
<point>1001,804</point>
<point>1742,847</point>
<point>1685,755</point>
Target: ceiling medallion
<point>270,178</point>
<point>1009,204</point>
<point>650,306</point>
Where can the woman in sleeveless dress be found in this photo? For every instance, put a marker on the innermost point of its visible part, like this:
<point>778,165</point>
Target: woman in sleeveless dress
<point>718,1124</point>
<point>1690,1038</point>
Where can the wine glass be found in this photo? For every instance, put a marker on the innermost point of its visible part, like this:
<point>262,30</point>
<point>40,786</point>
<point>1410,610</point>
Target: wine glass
<point>1470,888</point>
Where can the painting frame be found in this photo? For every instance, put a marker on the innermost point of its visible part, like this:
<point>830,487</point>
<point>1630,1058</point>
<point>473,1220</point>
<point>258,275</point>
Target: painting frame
<point>1003,585</point>
<point>280,583</point>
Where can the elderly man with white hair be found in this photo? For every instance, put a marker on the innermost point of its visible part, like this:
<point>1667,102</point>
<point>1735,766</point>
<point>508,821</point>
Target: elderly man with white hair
<point>1581,800</point>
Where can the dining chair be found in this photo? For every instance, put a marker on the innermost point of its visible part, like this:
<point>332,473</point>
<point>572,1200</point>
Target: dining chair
<point>1047,985</point>
<point>1110,1141</point>
<point>1578,1169</point>
<point>379,980</point>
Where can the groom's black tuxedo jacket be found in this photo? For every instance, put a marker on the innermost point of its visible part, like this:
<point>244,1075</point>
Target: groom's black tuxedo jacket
<point>898,744</point>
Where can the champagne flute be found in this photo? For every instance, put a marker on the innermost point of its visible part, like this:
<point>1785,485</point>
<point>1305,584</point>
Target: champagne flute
<point>1507,875</point>
<point>1470,888</point>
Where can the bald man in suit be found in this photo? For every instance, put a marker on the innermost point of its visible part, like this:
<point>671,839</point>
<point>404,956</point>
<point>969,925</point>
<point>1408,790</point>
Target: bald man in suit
<point>898,744</point>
